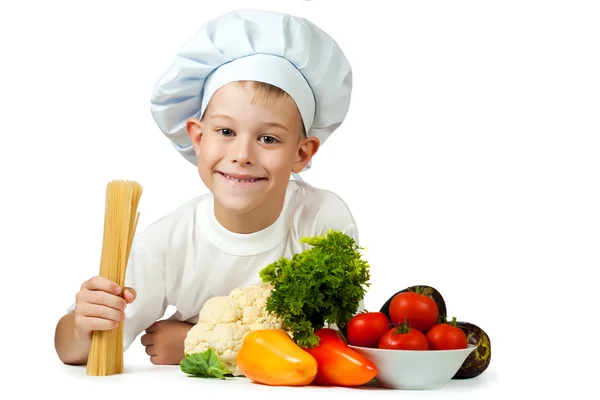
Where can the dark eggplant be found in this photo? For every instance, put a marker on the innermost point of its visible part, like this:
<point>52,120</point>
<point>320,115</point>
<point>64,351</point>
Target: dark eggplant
<point>426,290</point>
<point>480,358</point>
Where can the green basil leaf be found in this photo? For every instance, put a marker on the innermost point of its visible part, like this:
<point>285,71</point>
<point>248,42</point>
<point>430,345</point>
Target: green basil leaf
<point>204,365</point>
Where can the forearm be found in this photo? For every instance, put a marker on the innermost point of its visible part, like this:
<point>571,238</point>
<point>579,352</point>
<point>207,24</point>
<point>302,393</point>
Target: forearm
<point>71,347</point>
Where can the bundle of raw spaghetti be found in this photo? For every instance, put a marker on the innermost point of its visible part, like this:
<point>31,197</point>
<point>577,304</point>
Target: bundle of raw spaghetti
<point>120,223</point>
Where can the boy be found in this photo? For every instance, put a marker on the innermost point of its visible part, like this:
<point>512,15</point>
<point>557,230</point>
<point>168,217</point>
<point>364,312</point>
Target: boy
<point>248,100</point>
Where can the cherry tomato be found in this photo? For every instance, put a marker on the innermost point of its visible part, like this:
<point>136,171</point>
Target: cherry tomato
<point>365,329</point>
<point>446,336</point>
<point>402,337</point>
<point>418,310</point>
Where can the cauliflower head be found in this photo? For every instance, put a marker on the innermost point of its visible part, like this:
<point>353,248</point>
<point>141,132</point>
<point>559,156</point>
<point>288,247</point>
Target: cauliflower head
<point>224,322</point>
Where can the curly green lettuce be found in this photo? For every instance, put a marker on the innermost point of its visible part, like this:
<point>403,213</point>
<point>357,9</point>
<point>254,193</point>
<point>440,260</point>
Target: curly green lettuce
<point>321,285</point>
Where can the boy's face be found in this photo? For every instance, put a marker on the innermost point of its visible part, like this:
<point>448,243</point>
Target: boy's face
<point>247,149</point>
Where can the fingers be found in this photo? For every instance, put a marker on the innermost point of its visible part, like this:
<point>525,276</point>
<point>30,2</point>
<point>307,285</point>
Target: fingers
<point>103,299</point>
<point>147,340</point>
<point>94,317</point>
<point>103,284</point>
<point>100,311</point>
<point>151,328</point>
<point>154,359</point>
<point>99,305</point>
<point>151,350</point>
<point>129,294</point>
<point>89,324</point>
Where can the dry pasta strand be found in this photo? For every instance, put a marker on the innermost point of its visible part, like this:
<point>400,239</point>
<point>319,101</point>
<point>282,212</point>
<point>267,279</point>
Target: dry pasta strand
<point>120,223</point>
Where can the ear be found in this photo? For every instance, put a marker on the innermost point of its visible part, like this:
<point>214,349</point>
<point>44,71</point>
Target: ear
<point>307,149</point>
<point>192,125</point>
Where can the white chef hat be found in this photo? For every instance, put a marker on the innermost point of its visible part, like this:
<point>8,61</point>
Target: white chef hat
<point>283,50</point>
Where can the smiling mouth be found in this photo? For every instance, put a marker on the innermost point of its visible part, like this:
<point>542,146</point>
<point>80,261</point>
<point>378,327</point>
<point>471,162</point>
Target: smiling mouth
<point>241,179</point>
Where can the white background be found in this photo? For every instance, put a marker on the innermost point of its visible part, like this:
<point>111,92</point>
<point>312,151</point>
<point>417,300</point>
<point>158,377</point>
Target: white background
<point>469,158</point>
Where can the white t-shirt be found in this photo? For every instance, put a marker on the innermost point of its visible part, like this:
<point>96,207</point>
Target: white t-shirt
<point>186,257</point>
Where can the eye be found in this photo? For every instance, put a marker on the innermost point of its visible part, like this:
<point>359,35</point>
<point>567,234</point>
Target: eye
<point>268,139</point>
<point>225,132</point>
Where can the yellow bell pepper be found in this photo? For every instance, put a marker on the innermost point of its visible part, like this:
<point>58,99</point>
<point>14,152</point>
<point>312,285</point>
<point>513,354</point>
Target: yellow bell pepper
<point>271,357</point>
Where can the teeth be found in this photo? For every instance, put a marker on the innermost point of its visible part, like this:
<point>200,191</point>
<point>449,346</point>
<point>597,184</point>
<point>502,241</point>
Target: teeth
<point>239,180</point>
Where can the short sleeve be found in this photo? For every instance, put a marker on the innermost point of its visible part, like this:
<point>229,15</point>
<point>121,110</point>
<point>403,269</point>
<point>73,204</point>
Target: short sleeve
<point>352,231</point>
<point>335,214</point>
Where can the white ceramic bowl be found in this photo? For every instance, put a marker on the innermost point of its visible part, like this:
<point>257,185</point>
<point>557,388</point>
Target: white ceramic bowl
<point>414,369</point>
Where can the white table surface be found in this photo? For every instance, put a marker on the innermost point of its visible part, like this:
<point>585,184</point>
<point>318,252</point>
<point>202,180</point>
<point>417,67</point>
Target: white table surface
<point>143,380</point>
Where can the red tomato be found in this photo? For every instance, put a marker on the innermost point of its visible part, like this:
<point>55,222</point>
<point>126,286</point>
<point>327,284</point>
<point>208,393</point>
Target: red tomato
<point>365,329</point>
<point>447,336</point>
<point>403,337</point>
<point>418,310</point>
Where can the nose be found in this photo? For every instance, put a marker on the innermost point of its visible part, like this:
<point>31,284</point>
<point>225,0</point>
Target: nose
<point>242,150</point>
